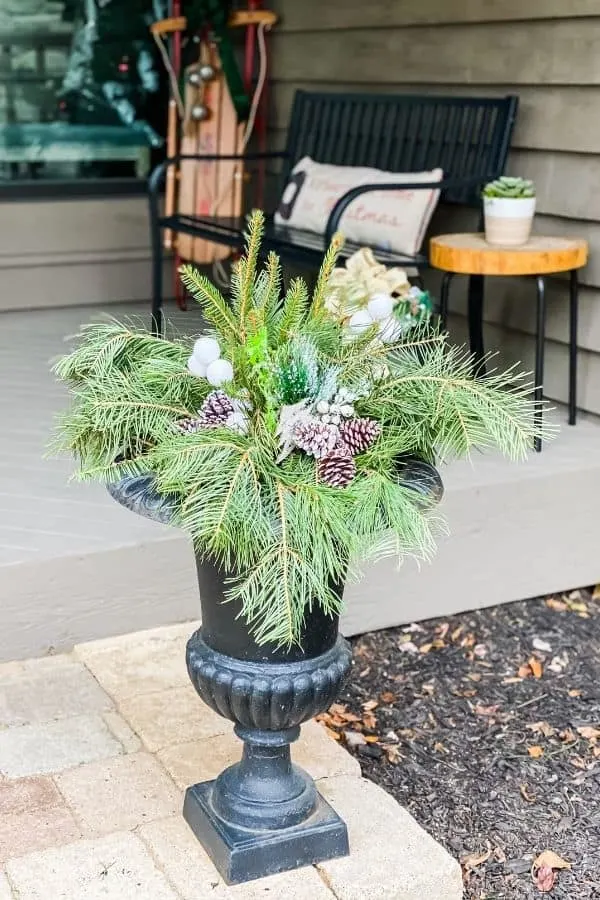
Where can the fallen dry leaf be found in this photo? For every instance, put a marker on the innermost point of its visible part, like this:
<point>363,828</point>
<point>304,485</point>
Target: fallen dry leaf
<point>539,644</point>
<point>535,666</point>
<point>338,709</point>
<point>439,747</point>
<point>425,648</point>
<point>428,688</point>
<point>369,721</point>
<point>535,751</point>
<point>541,728</point>
<point>457,633</point>
<point>596,593</point>
<point>574,692</point>
<point>469,640</point>
<point>335,735</point>
<point>486,710</point>
<point>388,697</point>
<point>393,753</point>
<point>525,793</point>
<point>369,705</point>
<point>578,762</point>
<point>524,671</point>
<point>371,738</point>
<point>473,860</point>
<point>474,676</point>
<point>515,680</point>
<point>589,733</point>
<point>545,879</point>
<point>567,736</point>
<point>551,859</point>
<point>577,606</point>
<point>555,604</point>
<point>442,630</point>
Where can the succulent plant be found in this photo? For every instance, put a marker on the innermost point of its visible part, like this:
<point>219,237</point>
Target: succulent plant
<point>507,187</point>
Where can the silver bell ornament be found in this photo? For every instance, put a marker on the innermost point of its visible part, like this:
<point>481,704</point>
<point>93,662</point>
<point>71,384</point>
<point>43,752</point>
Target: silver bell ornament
<point>199,112</point>
<point>194,78</point>
<point>206,72</point>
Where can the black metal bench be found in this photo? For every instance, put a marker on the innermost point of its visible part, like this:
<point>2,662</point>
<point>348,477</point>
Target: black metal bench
<point>467,137</point>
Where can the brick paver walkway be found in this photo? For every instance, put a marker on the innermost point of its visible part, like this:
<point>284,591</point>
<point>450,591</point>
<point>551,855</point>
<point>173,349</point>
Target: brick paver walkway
<point>96,748</point>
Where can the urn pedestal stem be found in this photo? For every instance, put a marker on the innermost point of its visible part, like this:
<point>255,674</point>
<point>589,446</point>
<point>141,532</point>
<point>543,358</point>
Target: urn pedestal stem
<point>264,814</point>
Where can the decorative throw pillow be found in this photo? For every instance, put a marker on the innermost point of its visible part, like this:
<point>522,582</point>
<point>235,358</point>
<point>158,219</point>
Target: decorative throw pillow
<point>391,220</point>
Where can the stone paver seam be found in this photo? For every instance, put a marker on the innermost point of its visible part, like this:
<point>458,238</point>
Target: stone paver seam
<point>154,857</point>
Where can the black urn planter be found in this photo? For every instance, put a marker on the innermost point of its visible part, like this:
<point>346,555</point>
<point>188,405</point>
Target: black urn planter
<point>262,815</point>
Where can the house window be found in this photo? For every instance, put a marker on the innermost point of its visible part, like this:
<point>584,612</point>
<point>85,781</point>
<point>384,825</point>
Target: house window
<point>81,92</point>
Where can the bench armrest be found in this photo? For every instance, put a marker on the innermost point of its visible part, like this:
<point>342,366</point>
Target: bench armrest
<point>445,184</point>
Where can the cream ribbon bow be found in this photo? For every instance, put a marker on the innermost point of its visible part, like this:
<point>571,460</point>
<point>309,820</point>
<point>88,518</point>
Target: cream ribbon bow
<point>352,286</point>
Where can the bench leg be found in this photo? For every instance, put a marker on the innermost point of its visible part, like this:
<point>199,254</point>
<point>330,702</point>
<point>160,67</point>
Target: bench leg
<point>573,315</point>
<point>475,301</point>
<point>444,298</point>
<point>157,280</point>
<point>539,357</point>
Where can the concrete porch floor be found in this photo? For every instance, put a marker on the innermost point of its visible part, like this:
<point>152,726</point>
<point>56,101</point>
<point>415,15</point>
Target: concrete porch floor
<point>74,566</point>
<point>96,749</point>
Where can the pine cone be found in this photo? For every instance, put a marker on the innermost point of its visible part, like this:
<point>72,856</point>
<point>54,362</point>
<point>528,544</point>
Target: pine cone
<point>359,434</point>
<point>190,425</point>
<point>337,469</point>
<point>315,438</point>
<point>216,408</point>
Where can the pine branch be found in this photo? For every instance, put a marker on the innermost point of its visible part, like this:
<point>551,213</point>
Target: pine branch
<point>327,267</point>
<point>214,306</point>
<point>293,312</point>
<point>248,266</point>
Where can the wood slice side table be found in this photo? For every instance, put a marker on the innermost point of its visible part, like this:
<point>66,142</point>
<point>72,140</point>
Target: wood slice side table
<point>470,254</point>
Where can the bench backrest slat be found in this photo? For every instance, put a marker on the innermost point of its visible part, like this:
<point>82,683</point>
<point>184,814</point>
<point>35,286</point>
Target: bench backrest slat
<point>465,136</point>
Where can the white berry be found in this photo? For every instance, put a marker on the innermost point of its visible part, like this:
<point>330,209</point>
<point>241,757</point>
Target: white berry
<point>206,350</point>
<point>347,410</point>
<point>219,372</point>
<point>322,407</point>
<point>326,420</point>
<point>360,321</point>
<point>334,409</point>
<point>196,368</point>
<point>380,306</point>
<point>335,420</point>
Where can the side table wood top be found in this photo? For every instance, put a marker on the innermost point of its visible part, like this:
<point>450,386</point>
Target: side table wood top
<point>470,254</point>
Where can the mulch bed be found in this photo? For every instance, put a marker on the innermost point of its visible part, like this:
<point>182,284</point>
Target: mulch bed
<point>486,726</point>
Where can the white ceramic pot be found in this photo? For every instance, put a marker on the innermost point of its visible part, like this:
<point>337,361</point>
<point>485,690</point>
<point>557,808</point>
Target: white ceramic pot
<point>508,220</point>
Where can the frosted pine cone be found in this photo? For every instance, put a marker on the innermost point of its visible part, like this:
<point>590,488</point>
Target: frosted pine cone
<point>358,434</point>
<point>216,408</point>
<point>190,425</point>
<point>337,469</point>
<point>315,437</point>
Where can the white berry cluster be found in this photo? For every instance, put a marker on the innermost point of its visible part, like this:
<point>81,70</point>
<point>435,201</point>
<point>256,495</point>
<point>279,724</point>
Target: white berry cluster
<point>378,311</point>
<point>206,362</point>
<point>332,412</point>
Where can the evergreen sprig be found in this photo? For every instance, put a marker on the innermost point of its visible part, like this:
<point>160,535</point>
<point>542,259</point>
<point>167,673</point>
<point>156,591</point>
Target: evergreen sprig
<point>286,539</point>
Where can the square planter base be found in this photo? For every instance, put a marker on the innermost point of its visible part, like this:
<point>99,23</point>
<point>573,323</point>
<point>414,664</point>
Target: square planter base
<point>242,855</point>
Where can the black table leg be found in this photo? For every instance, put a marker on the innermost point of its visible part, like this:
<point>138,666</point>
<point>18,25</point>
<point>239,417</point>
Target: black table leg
<point>444,298</point>
<point>573,314</point>
<point>539,358</point>
<point>476,323</point>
